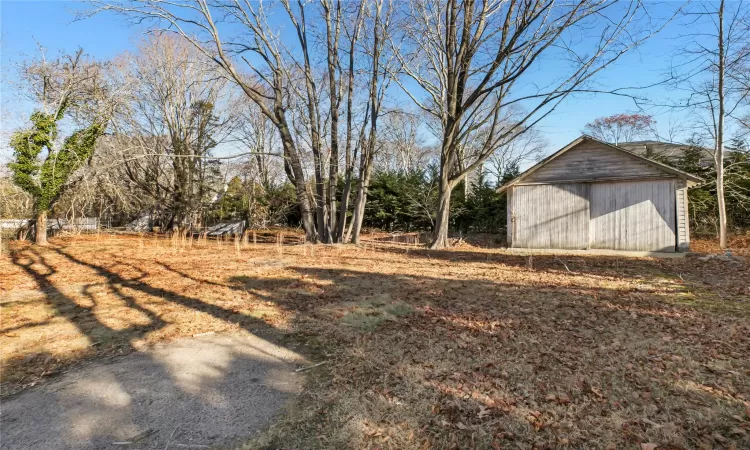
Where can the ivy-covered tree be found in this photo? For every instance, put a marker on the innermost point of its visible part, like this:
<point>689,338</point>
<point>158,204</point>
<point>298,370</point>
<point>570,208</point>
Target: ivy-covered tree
<point>42,165</point>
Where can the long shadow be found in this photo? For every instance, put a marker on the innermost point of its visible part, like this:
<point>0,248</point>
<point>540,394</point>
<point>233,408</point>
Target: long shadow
<point>251,324</point>
<point>477,341</point>
<point>248,323</point>
<point>347,285</point>
<point>203,392</point>
<point>514,344</point>
<point>245,284</point>
<point>82,317</point>
<point>625,267</point>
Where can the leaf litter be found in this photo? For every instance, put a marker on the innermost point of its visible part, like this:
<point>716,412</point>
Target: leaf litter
<point>464,348</point>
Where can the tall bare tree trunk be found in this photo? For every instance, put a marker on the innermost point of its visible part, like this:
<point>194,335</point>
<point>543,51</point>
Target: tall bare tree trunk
<point>334,86</point>
<point>440,236</point>
<point>348,236</point>
<point>361,201</point>
<point>341,233</point>
<point>312,101</point>
<point>40,228</point>
<point>333,176</point>
<point>296,174</point>
<point>320,199</point>
<point>344,229</point>
<point>375,102</point>
<point>344,208</point>
<point>448,163</point>
<point>719,155</point>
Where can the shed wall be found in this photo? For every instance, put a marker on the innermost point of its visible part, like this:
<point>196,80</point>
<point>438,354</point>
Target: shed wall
<point>550,216</point>
<point>624,215</point>
<point>633,215</point>
<point>683,219</point>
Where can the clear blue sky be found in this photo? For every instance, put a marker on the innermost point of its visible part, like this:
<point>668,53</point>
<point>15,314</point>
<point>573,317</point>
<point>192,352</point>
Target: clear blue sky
<point>25,24</point>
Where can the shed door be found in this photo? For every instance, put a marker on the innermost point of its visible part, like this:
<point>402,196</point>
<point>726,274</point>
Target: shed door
<point>633,215</point>
<point>550,216</point>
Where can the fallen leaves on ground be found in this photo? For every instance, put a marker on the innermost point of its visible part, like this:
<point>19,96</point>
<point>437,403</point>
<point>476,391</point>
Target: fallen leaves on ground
<point>464,348</point>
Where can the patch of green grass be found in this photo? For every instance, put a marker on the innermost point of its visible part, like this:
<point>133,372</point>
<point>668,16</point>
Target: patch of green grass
<point>710,302</point>
<point>369,313</point>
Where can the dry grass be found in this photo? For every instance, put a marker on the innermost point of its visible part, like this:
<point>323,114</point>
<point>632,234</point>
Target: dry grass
<point>462,348</point>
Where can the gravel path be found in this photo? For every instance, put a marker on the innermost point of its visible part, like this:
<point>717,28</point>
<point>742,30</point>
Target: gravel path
<point>207,391</point>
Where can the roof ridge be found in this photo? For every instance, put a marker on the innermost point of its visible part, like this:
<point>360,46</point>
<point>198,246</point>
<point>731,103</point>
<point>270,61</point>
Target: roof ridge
<point>583,137</point>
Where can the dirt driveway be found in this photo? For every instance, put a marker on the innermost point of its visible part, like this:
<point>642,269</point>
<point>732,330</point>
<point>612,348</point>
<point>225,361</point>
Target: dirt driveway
<point>192,393</point>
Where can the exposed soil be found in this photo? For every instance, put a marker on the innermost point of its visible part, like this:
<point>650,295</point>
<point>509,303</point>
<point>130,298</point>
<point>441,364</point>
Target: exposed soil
<point>214,390</point>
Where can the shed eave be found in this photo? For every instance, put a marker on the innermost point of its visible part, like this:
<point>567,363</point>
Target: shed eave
<point>689,178</point>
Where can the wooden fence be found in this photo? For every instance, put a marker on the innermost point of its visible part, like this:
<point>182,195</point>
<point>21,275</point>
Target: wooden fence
<point>79,224</point>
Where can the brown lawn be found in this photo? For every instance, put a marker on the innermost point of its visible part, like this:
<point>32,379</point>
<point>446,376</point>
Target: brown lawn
<point>466,348</point>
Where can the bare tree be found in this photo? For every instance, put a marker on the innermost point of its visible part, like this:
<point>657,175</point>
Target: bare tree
<point>352,29</point>
<point>712,71</point>
<point>719,156</point>
<point>336,17</point>
<point>404,146</point>
<point>469,60</point>
<point>282,74</point>
<point>179,111</point>
<point>312,101</point>
<point>380,77</point>
<point>256,132</point>
<point>266,58</point>
<point>332,13</point>
<point>620,127</point>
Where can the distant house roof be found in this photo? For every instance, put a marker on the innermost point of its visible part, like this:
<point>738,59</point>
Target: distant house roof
<point>674,150</point>
<point>670,150</point>
<point>663,167</point>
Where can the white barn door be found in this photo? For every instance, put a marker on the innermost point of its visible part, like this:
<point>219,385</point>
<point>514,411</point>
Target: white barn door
<point>550,216</point>
<point>633,215</point>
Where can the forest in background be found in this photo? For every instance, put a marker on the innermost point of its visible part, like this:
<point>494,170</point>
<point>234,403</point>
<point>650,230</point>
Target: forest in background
<point>325,130</point>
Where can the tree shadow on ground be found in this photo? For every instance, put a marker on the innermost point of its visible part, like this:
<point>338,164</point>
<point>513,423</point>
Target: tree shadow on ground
<point>481,362</point>
<point>689,270</point>
<point>214,390</point>
<point>540,262</point>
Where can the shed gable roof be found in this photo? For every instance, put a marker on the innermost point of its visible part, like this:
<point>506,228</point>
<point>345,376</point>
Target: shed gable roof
<point>589,159</point>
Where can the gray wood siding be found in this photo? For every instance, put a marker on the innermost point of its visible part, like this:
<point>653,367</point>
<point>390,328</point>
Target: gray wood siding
<point>633,215</point>
<point>550,216</point>
<point>509,217</point>
<point>593,161</point>
<point>683,220</point>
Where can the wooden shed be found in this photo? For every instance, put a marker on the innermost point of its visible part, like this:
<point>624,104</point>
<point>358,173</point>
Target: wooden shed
<point>594,195</point>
